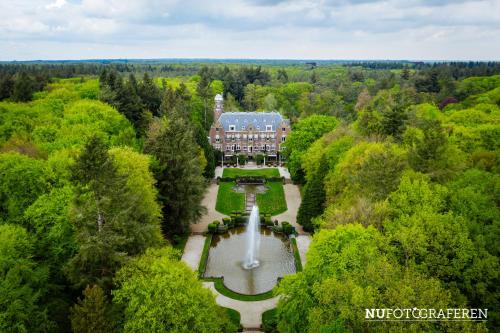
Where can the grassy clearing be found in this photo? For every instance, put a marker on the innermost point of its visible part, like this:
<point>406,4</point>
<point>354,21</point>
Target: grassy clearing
<point>233,172</point>
<point>228,200</point>
<point>273,201</point>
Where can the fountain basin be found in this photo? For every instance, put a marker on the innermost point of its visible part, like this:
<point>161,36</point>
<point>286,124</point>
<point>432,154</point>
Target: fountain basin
<point>226,256</point>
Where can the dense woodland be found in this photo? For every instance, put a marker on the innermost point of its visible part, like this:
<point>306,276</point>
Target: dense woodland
<point>104,166</point>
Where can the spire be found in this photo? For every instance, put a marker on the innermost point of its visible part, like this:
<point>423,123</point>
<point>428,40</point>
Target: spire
<point>219,106</point>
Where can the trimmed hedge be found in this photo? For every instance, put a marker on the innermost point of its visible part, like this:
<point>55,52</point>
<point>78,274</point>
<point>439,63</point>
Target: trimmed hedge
<point>296,255</point>
<point>204,255</point>
<point>212,227</point>
<point>221,288</point>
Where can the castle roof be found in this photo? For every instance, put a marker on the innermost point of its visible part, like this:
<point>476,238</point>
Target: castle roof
<point>259,120</point>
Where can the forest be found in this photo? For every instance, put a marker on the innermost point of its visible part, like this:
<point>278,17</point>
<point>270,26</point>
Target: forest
<point>103,167</point>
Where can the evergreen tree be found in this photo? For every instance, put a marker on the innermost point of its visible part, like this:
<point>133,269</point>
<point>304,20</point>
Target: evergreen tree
<point>179,175</point>
<point>208,150</point>
<point>312,204</point>
<point>204,90</point>
<point>104,213</point>
<point>93,313</point>
<point>23,88</point>
<point>150,95</point>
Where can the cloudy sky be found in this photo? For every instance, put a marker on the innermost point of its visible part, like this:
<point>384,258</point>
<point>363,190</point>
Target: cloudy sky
<point>329,29</point>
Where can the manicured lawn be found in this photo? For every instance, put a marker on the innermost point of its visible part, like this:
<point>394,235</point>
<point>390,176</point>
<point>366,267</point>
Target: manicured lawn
<point>273,201</point>
<point>233,172</point>
<point>228,200</point>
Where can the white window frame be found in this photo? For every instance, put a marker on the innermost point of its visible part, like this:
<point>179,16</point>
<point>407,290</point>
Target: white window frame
<point>232,128</point>
<point>269,128</point>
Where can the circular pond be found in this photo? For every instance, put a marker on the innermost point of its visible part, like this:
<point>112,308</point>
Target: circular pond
<point>227,253</point>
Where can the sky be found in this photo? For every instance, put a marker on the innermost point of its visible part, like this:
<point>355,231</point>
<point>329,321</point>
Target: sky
<point>250,29</point>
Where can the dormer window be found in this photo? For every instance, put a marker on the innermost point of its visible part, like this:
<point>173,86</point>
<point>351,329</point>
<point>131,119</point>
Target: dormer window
<point>269,128</point>
<point>232,127</point>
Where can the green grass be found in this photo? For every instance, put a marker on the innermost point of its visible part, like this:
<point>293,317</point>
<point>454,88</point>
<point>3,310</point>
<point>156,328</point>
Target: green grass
<point>204,255</point>
<point>235,317</point>
<point>221,288</point>
<point>269,322</point>
<point>228,200</point>
<point>296,255</point>
<point>273,201</point>
<point>233,172</point>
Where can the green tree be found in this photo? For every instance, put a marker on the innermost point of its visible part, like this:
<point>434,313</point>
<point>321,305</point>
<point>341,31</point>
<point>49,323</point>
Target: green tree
<point>205,91</point>
<point>304,133</point>
<point>23,284</point>
<point>178,172</point>
<point>161,294</point>
<point>109,218</point>
<point>313,201</point>
<point>150,94</point>
<point>23,88</point>
<point>22,180</point>
<point>93,313</point>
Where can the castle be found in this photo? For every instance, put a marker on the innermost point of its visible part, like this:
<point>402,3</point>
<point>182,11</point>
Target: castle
<point>248,133</point>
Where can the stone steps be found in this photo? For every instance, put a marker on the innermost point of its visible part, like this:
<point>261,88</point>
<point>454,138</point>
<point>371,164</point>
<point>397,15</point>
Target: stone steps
<point>249,201</point>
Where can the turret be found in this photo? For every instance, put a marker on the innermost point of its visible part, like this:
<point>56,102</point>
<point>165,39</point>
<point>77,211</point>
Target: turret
<point>219,106</point>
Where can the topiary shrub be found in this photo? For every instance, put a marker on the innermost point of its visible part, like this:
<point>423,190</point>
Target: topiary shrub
<point>287,228</point>
<point>239,220</point>
<point>227,221</point>
<point>212,227</point>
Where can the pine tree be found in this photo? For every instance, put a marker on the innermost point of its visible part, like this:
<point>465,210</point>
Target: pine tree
<point>23,88</point>
<point>314,197</point>
<point>108,229</point>
<point>150,95</point>
<point>92,314</point>
<point>179,175</point>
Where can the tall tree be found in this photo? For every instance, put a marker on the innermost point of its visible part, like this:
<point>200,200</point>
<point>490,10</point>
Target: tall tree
<point>108,226</point>
<point>204,90</point>
<point>93,313</point>
<point>312,204</point>
<point>179,174</point>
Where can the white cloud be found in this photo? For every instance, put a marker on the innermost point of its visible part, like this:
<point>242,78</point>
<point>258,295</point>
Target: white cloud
<point>56,4</point>
<point>355,29</point>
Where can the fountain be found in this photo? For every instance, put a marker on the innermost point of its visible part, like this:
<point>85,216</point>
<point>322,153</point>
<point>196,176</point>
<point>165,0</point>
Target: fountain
<point>252,240</point>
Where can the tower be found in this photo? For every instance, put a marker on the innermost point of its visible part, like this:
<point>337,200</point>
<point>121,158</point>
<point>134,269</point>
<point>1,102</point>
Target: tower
<point>219,106</point>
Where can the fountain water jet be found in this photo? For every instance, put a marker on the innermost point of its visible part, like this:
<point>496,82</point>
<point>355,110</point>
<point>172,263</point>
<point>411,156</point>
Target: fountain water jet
<point>252,240</point>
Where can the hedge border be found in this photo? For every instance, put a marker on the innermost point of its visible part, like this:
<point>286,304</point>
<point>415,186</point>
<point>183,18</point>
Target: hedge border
<point>204,255</point>
<point>296,255</point>
<point>222,289</point>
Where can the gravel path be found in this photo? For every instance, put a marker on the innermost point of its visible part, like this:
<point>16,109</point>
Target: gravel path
<point>209,201</point>
<point>193,250</point>
<point>292,196</point>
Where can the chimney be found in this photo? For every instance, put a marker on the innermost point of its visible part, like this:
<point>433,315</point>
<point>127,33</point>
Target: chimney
<point>219,106</point>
